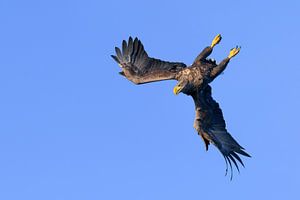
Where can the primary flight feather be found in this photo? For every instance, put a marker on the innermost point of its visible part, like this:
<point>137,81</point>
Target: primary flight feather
<point>193,81</point>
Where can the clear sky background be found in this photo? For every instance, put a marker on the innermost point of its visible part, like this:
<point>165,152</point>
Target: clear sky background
<point>72,128</point>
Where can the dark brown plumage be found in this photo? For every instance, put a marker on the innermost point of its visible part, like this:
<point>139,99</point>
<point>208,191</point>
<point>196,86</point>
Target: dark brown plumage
<point>139,68</point>
<point>194,81</point>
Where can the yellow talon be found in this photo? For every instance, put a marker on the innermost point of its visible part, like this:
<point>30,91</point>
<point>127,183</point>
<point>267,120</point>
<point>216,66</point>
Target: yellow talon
<point>233,52</point>
<point>216,40</point>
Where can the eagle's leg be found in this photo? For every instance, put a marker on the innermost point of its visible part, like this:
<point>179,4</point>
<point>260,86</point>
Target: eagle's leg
<point>208,50</point>
<point>222,65</point>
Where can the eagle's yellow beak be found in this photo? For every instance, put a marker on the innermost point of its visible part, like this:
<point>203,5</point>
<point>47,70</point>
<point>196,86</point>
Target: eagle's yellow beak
<point>177,89</point>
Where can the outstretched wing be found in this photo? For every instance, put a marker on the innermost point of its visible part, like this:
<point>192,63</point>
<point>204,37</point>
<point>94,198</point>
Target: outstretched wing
<point>139,68</point>
<point>212,128</point>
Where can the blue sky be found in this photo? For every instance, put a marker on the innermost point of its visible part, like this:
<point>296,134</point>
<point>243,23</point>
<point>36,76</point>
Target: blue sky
<point>72,128</point>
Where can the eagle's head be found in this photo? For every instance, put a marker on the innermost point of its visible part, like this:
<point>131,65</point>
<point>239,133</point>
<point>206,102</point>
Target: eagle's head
<point>182,86</point>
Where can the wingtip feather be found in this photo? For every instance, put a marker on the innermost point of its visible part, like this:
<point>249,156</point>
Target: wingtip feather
<point>240,151</point>
<point>115,58</point>
<point>238,158</point>
<point>234,162</point>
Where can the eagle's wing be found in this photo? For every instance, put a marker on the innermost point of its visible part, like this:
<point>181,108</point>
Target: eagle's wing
<point>139,68</point>
<point>210,124</point>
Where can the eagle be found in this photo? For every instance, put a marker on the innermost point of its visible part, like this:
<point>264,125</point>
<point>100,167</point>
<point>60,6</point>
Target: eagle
<point>193,81</point>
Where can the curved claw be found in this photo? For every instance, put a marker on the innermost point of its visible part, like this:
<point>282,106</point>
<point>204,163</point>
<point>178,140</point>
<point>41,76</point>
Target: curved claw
<point>234,51</point>
<point>216,40</point>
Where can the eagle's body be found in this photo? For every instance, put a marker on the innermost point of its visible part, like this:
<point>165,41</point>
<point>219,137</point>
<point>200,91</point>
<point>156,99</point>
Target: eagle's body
<point>197,75</point>
<point>193,81</point>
